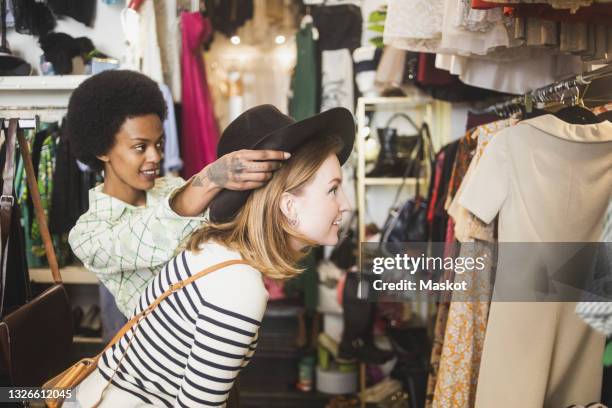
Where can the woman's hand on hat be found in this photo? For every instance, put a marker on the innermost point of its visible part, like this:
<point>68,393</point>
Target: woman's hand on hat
<point>244,169</point>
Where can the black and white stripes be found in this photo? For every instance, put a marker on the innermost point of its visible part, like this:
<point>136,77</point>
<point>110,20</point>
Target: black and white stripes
<point>190,349</point>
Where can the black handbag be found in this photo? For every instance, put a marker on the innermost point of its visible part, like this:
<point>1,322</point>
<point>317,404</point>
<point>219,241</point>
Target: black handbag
<point>397,152</point>
<point>408,223</point>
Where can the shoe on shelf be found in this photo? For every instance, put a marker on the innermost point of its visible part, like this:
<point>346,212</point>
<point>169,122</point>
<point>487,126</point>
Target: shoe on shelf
<point>365,352</point>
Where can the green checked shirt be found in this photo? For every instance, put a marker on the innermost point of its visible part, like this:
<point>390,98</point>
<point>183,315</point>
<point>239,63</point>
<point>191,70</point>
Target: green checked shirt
<point>127,246</point>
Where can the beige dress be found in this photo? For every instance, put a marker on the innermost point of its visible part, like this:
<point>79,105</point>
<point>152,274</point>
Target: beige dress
<point>550,182</point>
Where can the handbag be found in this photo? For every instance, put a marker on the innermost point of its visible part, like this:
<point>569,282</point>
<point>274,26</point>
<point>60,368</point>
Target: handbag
<point>35,339</point>
<point>408,223</point>
<point>396,151</point>
<point>75,374</point>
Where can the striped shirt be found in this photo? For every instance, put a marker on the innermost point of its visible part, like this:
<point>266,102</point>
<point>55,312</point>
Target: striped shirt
<point>190,349</point>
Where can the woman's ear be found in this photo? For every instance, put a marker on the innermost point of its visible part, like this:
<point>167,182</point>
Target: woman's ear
<point>103,157</point>
<point>287,205</point>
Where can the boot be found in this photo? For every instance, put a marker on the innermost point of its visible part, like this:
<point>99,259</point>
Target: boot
<point>357,338</point>
<point>386,164</point>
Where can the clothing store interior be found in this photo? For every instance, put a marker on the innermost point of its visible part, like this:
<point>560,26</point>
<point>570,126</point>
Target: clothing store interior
<point>475,122</point>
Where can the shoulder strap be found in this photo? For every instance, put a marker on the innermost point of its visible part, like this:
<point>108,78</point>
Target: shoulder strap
<point>173,288</point>
<point>38,210</point>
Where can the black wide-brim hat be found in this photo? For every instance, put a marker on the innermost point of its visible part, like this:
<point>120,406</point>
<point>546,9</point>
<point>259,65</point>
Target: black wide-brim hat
<point>264,127</point>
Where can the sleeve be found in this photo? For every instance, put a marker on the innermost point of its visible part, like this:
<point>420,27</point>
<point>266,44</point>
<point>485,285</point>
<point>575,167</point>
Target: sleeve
<point>487,187</point>
<point>226,336</point>
<point>144,239</point>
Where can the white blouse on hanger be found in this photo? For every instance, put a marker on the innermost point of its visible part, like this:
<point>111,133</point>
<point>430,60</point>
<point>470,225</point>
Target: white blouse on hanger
<point>456,40</point>
<point>511,76</point>
<point>414,25</point>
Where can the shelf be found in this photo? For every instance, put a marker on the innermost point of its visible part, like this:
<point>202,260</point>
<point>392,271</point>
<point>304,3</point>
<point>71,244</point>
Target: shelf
<point>40,82</point>
<point>389,181</point>
<point>76,275</point>
<point>87,340</point>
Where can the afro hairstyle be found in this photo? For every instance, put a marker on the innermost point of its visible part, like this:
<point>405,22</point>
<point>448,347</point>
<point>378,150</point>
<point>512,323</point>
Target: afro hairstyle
<point>100,105</point>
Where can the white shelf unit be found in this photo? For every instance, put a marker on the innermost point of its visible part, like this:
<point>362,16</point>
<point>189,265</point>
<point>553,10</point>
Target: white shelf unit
<point>74,275</point>
<point>423,107</point>
<point>37,91</point>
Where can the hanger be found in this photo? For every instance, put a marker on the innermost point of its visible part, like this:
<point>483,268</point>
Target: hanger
<point>578,114</point>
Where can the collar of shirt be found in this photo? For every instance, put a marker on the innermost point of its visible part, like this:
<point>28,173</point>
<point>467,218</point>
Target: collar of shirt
<point>593,133</point>
<point>106,207</point>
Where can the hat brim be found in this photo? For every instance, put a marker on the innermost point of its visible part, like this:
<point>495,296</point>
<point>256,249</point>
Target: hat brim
<point>337,122</point>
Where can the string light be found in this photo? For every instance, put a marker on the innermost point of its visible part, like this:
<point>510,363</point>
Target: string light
<point>235,40</point>
<point>280,39</point>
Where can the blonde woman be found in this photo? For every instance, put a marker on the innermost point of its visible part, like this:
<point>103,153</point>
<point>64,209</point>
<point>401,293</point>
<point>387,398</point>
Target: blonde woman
<point>190,349</point>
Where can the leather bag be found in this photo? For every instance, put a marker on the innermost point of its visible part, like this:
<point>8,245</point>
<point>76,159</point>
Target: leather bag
<point>75,374</point>
<point>397,152</point>
<point>408,223</point>
<point>35,339</point>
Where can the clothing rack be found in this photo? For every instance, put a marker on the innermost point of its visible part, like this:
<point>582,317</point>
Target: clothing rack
<point>550,93</point>
<point>28,115</point>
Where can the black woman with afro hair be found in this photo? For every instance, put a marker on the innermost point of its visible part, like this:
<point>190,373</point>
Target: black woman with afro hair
<point>136,219</point>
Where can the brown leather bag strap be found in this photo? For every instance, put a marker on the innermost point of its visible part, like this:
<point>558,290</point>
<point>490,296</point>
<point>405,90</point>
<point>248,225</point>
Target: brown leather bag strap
<point>173,288</point>
<point>40,214</point>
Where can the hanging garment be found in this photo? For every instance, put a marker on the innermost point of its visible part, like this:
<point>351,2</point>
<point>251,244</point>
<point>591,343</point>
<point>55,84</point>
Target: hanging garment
<point>390,70</point>
<point>339,26</point>
<point>142,52</point>
<point>172,157</point>
<point>169,41</point>
<point>571,5</point>
<point>337,80</point>
<point>440,84</point>
<point>467,320</point>
<point>366,61</point>
<point>535,70</point>
<point>227,16</point>
<point>199,128</point>
<point>305,82</point>
<point>524,175</point>
<point>456,40</point>
<point>42,146</point>
<point>83,11</point>
<point>424,31</point>
<point>471,19</point>
<point>15,284</point>
<point>66,203</point>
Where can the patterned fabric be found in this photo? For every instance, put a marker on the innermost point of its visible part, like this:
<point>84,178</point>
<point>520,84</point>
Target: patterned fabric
<point>127,246</point>
<point>35,250</point>
<point>466,325</point>
<point>476,20</point>
<point>465,152</point>
<point>424,31</point>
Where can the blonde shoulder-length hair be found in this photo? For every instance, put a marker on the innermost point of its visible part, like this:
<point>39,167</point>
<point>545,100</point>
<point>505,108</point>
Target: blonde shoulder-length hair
<point>260,232</point>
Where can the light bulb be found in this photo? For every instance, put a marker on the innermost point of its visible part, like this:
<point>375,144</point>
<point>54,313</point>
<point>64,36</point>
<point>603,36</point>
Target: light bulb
<point>235,40</point>
<point>280,39</point>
